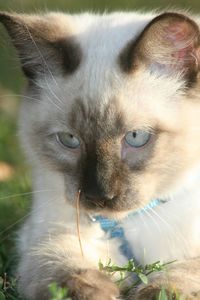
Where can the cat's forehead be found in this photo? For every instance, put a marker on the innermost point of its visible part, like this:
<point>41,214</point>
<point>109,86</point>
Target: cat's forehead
<point>106,32</point>
<point>110,103</point>
<point>96,121</point>
<point>99,85</point>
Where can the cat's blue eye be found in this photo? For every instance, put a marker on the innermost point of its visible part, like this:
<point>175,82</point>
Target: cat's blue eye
<point>68,140</point>
<point>137,138</point>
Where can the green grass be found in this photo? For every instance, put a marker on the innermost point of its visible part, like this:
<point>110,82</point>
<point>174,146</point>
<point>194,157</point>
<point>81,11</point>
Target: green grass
<point>58,293</point>
<point>14,203</point>
<point>141,274</point>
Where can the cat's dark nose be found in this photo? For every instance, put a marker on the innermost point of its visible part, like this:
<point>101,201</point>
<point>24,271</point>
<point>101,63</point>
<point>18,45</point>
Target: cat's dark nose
<point>92,188</point>
<point>95,194</point>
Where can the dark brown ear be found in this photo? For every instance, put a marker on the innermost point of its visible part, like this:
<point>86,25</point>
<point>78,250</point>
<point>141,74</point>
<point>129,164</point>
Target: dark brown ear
<point>170,42</point>
<point>44,45</point>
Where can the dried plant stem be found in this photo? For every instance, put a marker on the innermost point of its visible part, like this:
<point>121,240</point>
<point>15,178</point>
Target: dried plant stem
<point>78,221</point>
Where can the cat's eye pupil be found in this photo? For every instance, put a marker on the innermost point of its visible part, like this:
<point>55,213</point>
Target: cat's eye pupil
<point>68,140</point>
<point>137,138</point>
<point>134,134</point>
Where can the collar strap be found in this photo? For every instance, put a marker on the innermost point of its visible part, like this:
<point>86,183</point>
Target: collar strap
<point>114,229</point>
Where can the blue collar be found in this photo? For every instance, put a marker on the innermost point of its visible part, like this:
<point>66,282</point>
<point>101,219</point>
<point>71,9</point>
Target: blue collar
<point>113,228</point>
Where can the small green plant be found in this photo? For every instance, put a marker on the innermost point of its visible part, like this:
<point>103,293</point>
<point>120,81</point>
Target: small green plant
<point>58,293</point>
<point>135,271</point>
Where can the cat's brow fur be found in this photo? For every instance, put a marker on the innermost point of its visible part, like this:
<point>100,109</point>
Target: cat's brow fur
<point>98,77</point>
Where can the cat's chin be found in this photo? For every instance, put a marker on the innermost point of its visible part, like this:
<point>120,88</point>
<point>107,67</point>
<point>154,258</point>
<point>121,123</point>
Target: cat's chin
<point>107,212</point>
<point>113,214</point>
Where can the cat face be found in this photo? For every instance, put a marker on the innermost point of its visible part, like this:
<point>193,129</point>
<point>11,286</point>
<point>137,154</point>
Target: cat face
<point>116,103</point>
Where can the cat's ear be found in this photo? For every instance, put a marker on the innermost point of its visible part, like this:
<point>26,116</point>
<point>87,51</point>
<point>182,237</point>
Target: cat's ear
<point>169,43</point>
<point>44,43</point>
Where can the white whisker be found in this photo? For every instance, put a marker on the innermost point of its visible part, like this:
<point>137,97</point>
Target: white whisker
<point>50,100</point>
<point>52,92</point>
<point>34,211</point>
<point>174,233</point>
<point>25,194</point>
<point>21,96</point>
<point>152,218</point>
<point>40,53</point>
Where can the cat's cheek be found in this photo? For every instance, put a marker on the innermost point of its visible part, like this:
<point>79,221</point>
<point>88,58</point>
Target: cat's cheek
<point>129,154</point>
<point>134,156</point>
<point>68,150</point>
<point>71,188</point>
<point>72,155</point>
<point>74,152</point>
<point>125,150</point>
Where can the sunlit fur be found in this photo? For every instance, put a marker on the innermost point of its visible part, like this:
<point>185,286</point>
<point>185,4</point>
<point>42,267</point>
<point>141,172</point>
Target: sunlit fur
<point>149,98</point>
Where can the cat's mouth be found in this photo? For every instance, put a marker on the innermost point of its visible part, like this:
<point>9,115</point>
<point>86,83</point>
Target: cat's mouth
<point>120,205</point>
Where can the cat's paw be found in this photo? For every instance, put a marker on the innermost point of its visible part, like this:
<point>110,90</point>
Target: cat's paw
<point>153,293</point>
<point>91,285</point>
<point>180,281</point>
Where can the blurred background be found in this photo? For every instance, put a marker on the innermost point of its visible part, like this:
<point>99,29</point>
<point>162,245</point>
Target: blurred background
<point>15,186</point>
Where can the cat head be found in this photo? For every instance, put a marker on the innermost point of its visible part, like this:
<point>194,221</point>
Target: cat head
<point>112,103</point>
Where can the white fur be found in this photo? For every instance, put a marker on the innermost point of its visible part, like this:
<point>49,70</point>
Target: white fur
<point>169,231</point>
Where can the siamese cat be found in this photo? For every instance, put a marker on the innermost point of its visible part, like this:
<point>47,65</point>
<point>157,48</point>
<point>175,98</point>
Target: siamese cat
<point>110,119</point>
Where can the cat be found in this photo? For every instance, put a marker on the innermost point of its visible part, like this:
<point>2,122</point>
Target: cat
<point>109,122</point>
